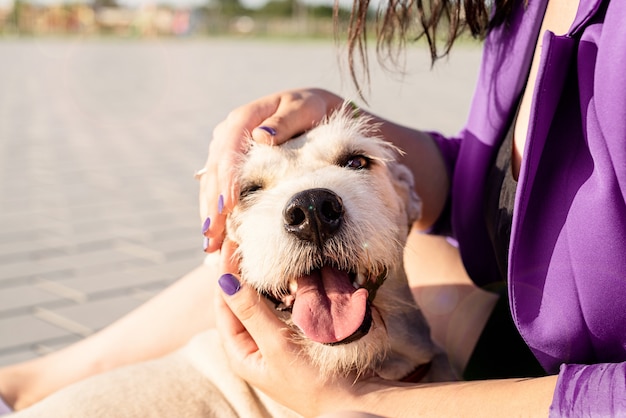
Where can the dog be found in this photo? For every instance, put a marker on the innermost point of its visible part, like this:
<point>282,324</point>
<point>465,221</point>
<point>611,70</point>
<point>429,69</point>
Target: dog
<point>321,225</point>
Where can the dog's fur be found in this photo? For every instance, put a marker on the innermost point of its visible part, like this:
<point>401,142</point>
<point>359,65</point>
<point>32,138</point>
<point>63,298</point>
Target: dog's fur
<point>377,204</point>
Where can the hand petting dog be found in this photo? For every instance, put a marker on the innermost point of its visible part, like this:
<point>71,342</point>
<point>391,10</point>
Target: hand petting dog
<point>261,351</point>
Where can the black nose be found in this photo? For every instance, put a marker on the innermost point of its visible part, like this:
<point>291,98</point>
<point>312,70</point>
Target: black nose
<point>314,215</point>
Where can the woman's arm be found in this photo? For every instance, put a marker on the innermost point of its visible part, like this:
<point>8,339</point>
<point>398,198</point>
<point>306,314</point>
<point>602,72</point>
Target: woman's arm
<point>423,158</point>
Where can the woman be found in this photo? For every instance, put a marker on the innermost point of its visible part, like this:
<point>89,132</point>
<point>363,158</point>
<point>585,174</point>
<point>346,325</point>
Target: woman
<point>541,158</point>
<point>547,125</point>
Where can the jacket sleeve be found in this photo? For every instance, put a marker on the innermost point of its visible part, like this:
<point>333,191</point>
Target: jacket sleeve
<point>590,390</point>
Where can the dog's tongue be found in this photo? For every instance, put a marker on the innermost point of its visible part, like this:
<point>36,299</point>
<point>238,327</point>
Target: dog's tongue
<point>328,308</point>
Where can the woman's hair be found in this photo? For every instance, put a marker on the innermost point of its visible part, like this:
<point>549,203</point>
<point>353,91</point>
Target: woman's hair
<point>441,22</point>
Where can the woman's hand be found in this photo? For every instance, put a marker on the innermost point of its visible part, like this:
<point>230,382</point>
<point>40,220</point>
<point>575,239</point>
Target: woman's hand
<point>261,351</point>
<point>272,119</point>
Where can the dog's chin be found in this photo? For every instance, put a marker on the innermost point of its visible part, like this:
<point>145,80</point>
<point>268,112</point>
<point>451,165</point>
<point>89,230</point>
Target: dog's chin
<point>330,305</point>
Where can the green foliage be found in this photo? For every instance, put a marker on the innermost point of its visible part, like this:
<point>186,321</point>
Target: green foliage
<point>322,11</point>
<point>228,8</point>
<point>97,4</point>
<point>277,8</point>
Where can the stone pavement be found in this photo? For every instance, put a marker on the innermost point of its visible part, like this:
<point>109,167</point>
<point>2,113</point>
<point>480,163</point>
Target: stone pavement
<point>99,140</point>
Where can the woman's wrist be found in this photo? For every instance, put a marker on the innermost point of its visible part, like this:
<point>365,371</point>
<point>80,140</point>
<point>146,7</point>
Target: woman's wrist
<point>367,395</point>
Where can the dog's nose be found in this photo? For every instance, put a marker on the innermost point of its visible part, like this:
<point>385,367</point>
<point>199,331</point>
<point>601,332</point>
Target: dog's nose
<point>314,215</point>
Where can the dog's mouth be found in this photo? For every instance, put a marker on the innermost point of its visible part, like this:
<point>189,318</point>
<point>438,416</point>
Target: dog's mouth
<point>330,305</point>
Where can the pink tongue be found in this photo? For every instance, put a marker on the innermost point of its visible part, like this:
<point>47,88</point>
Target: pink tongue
<point>328,308</point>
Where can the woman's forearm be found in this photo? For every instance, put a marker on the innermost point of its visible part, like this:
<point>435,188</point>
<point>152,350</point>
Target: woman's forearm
<point>423,158</point>
<point>497,398</point>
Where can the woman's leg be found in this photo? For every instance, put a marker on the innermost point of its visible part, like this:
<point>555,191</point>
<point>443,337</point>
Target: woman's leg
<point>472,325</point>
<point>158,327</point>
<point>454,307</point>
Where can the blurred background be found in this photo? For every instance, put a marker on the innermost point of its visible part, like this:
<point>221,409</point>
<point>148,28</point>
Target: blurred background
<point>138,18</point>
<point>106,111</point>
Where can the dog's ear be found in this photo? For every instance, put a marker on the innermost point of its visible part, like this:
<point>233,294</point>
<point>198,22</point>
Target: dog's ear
<point>404,184</point>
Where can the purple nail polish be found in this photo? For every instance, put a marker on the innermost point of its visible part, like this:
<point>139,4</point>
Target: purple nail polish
<point>229,284</point>
<point>269,130</point>
<point>206,225</point>
<point>220,204</point>
<point>205,243</point>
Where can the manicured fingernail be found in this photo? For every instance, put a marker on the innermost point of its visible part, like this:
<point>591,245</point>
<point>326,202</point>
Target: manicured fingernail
<point>220,204</point>
<point>229,284</point>
<point>205,243</point>
<point>269,130</point>
<point>206,225</point>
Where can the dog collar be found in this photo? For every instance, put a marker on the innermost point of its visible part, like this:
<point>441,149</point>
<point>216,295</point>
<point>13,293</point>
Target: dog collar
<point>418,373</point>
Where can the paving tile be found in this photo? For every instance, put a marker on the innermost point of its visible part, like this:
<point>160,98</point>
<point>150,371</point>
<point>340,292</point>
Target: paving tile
<point>22,298</point>
<point>23,331</point>
<point>174,243</point>
<point>17,357</point>
<point>108,282</point>
<point>72,326</point>
<point>15,247</point>
<point>173,269</point>
<point>94,259</point>
<point>37,349</point>
<point>20,270</point>
<point>97,314</point>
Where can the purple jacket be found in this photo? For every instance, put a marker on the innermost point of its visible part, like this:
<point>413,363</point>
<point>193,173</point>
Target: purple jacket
<point>567,260</point>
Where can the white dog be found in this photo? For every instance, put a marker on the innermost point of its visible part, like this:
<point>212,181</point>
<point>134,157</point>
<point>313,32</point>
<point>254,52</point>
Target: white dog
<point>321,226</point>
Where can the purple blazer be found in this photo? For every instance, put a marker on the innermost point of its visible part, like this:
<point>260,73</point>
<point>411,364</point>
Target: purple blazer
<point>567,259</point>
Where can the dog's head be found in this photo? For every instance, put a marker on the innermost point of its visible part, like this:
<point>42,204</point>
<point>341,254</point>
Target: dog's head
<point>321,225</point>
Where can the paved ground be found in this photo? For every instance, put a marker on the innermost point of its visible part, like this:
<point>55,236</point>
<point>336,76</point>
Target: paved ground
<point>98,143</point>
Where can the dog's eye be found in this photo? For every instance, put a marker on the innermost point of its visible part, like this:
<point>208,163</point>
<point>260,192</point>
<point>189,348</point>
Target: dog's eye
<point>357,162</point>
<point>247,189</point>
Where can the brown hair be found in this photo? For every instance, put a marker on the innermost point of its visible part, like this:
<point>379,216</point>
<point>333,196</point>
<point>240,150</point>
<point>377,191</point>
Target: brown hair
<point>399,21</point>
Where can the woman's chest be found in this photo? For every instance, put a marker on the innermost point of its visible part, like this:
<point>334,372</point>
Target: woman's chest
<point>558,19</point>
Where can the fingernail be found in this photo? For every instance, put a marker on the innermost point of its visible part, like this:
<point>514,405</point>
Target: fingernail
<point>229,284</point>
<point>206,225</point>
<point>220,204</point>
<point>205,243</point>
<point>269,130</point>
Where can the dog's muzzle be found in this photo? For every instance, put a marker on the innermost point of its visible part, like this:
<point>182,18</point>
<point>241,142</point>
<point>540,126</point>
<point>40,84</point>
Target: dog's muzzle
<point>330,305</point>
